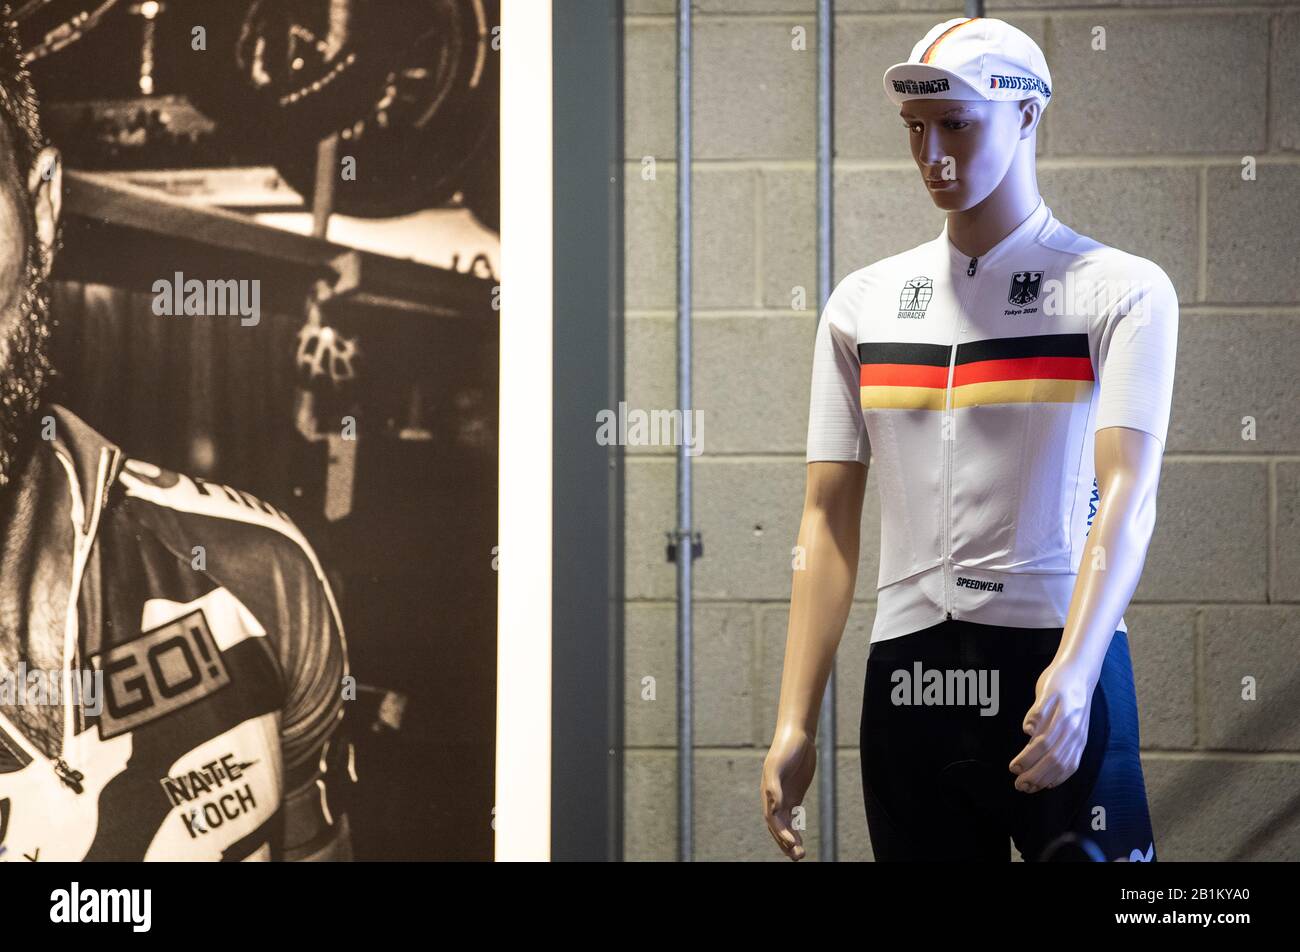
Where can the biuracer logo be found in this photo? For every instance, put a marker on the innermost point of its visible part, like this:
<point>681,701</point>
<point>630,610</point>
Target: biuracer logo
<point>920,87</point>
<point>914,297</point>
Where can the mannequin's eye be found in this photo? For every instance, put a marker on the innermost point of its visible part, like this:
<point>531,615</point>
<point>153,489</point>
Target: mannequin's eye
<point>914,127</point>
<point>955,124</point>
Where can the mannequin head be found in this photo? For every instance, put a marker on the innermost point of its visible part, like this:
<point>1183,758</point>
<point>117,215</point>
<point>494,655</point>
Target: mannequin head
<point>967,150</point>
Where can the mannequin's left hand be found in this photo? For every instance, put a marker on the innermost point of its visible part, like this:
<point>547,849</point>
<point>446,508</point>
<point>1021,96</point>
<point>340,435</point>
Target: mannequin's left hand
<point>1057,726</point>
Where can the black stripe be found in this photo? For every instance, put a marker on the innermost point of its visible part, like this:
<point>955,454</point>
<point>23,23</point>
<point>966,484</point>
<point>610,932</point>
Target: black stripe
<point>268,833</point>
<point>12,757</point>
<point>1035,345</point>
<point>891,352</point>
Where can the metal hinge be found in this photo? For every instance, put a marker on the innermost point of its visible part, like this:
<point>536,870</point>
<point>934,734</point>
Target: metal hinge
<point>697,545</point>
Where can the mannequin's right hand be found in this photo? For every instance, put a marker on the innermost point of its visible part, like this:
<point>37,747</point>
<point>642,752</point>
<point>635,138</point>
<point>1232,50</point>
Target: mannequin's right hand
<point>787,774</point>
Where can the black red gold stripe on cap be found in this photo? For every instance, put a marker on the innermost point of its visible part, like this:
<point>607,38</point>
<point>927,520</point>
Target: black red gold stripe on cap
<point>929,50</point>
<point>1046,368</point>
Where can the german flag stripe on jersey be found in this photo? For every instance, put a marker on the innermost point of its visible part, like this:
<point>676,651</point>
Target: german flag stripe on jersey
<point>1044,368</point>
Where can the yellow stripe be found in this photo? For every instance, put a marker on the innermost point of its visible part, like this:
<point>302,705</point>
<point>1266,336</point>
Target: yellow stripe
<point>902,398</point>
<point>1022,391</point>
<point>976,394</point>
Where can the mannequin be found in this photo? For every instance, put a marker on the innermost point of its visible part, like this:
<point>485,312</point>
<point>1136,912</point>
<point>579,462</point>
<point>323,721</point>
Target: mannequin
<point>991,147</point>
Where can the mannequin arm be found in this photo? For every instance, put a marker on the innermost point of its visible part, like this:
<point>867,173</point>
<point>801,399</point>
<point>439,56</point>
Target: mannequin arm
<point>822,593</point>
<point>1128,473</point>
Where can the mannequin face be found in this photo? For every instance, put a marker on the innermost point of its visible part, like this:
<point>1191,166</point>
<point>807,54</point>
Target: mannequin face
<point>963,148</point>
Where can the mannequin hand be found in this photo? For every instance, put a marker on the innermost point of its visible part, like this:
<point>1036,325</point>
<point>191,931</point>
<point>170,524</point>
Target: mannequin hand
<point>1057,726</point>
<point>787,773</point>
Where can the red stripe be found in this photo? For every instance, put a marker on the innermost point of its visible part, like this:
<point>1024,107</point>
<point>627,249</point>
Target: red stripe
<point>903,375</point>
<point>1023,368</point>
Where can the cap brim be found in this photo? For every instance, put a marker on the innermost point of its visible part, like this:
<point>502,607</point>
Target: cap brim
<point>928,77</point>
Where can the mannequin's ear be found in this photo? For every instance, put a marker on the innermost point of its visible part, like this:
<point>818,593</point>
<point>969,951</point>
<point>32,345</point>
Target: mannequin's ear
<point>1031,111</point>
<point>45,188</point>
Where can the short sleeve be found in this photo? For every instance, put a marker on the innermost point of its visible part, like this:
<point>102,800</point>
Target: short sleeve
<point>1135,355</point>
<point>835,426</point>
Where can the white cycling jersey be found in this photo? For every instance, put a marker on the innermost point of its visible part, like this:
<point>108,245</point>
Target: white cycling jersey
<point>974,388</point>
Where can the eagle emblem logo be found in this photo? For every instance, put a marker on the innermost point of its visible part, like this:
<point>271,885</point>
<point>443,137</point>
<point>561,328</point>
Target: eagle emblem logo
<point>1024,287</point>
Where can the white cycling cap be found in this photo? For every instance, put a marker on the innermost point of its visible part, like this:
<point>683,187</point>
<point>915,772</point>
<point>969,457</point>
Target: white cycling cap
<point>972,58</point>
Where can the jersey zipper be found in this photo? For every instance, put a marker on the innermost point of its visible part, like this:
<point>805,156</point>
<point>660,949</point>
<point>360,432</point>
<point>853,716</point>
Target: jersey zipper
<point>950,411</point>
<point>67,775</point>
<point>84,540</point>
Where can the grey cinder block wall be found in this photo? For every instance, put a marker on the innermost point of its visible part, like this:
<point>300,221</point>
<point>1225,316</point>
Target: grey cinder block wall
<point>1144,148</point>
